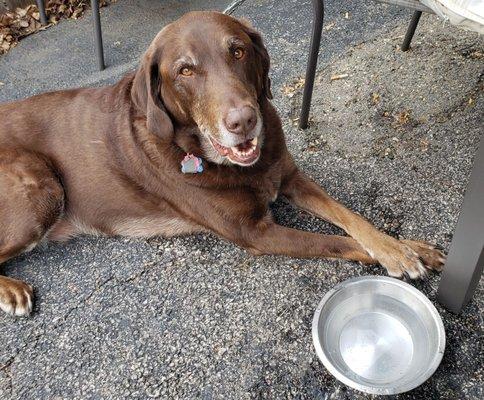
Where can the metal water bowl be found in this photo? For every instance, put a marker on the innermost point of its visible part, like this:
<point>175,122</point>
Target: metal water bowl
<point>378,335</point>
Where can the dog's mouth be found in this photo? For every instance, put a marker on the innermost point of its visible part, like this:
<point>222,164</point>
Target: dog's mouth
<point>244,154</point>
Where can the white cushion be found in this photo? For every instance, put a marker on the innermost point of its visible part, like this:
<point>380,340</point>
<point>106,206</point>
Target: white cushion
<point>467,14</point>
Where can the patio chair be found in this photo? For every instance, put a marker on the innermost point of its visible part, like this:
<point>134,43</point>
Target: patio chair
<point>97,28</point>
<point>465,261</point>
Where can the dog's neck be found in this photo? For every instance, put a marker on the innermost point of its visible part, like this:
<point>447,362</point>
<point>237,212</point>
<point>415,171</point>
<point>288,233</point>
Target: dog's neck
<point>188,140</point>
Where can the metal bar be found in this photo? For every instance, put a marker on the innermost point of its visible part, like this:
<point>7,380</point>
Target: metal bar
<point>465,262</point>
<point>232,7</point>
<point>41,7</point>
<point>318,17</point>
<point>98,33</point>
<point>411,30</point>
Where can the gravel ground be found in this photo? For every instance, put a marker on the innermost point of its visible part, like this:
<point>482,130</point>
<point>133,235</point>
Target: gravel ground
<point>197,317</point>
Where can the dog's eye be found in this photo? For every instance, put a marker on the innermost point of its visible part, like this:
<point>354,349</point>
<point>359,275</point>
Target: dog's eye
<point>239,53</point>
<point>186,71</point>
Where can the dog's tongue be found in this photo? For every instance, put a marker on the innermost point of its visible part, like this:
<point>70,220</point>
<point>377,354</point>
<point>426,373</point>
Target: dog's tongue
<point>244,146</point>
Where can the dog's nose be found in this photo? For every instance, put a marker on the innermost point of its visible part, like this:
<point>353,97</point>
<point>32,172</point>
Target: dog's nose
<point>241,121</point>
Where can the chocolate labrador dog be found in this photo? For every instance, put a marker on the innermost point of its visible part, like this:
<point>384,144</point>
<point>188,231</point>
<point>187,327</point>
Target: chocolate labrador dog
<point>109,160</point>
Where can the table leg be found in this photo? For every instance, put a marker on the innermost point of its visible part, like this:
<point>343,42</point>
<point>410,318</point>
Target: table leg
<point>318,17</point>
<point>465,261</point>
<point>41,7</point>
<point>98,33</point>
<point>411,30</point>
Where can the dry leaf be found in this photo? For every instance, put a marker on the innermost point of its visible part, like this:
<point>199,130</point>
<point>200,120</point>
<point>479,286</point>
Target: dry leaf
<point>290,89</point>
<point>338,77</point>
<point>21,12</point>
<point>424,144</point>
<point>21,22</point>
<point>403,117</point>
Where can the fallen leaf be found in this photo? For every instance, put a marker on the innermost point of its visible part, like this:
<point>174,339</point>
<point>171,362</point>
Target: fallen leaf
<point>21,12</point>
<point>424,144</point>
<point>403,117</point>
<point>338,77</point>
<point>290,89</point>
<point>21,22</point>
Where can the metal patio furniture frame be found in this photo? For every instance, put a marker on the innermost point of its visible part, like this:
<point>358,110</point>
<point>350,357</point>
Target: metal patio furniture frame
<point>97,28</point>
<point>465,262</point>
<point>464,265</point>
<point>317,28</point>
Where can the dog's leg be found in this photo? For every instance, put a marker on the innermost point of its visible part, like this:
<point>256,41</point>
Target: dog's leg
<point>269,238</point>
<point>398,257</point>
<point>31,201</point>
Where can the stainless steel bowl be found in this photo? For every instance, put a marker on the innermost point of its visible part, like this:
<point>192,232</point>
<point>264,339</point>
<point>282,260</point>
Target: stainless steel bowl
<point>378,335</point>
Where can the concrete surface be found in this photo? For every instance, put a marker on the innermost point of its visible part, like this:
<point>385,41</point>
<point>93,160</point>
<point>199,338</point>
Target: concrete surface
<point>197,317</point>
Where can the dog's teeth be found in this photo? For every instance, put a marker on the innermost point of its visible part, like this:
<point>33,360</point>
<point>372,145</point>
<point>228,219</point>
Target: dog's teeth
<point>245,152</point>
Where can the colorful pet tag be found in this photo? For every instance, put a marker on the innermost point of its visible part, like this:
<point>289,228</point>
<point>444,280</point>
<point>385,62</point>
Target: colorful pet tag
<point>191,164</point>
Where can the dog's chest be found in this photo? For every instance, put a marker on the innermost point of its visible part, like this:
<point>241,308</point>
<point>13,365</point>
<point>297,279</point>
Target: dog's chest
<point>267,187</point>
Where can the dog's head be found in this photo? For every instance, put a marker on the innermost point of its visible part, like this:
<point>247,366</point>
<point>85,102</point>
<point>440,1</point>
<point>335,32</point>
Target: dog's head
<point>208,70</point>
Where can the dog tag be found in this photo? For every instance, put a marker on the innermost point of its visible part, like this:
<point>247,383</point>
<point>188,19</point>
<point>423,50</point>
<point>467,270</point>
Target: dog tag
<point>191,164</point>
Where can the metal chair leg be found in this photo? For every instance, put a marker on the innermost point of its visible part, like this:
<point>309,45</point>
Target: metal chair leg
<point>98,33</point>
<point>318,17</point>
<point>41,7</point>
<point>465,262</point>
<point>411,30</point>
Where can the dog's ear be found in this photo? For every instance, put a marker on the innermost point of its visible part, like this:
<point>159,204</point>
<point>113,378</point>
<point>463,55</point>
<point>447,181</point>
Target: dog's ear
<point>146,95</point>
<point>263,56</point>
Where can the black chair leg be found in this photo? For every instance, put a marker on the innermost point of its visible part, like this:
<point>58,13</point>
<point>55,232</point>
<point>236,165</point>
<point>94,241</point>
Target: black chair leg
<point>465,262</point>
<point>411,30</point>
<point>318,17</point>
<point>98,33</point>
<point>41,7</point>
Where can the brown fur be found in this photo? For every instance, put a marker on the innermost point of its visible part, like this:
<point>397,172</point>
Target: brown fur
<point>107,161</point>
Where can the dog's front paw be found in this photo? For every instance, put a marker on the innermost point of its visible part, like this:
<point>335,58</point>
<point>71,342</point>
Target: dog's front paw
<point>15,297</point>
<point>399,258</point>
<point>432,258</point>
